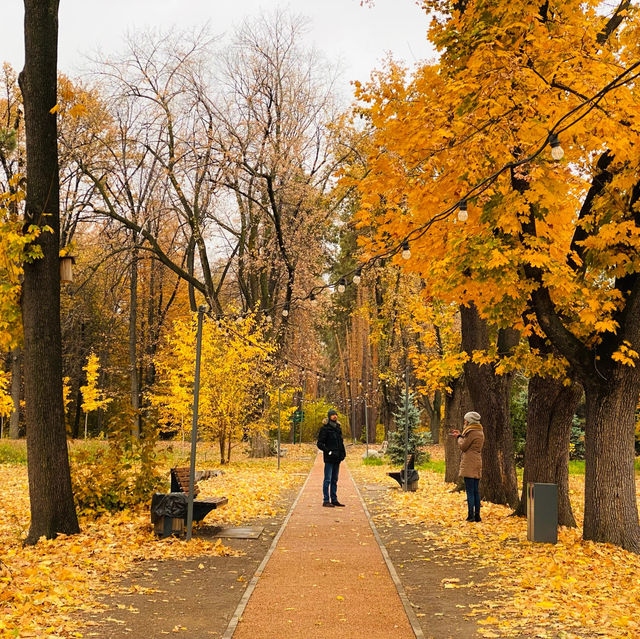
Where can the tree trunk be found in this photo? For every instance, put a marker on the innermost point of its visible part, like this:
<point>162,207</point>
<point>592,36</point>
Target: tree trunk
<point>133,342</point>
<point>51,496</point>
<point>435,420</point>
<point>16,387</point>
<point>611,510</point>
<point>490,394</point>
<point>260,446</point>
<point>457,403</point>
<point>550,409</point>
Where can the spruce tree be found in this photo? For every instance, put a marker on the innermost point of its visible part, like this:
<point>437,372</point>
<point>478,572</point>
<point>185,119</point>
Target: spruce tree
<point>415,441</point>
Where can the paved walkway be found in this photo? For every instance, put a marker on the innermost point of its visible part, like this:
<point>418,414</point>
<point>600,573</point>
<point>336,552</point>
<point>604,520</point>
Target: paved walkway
<point>326,577</point>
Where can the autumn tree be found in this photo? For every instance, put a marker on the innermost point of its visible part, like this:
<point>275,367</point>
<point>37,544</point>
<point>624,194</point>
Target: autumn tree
<point>92,397</point>
<point>236,372</point>
<point>543,246</point>
<point>51,498</point>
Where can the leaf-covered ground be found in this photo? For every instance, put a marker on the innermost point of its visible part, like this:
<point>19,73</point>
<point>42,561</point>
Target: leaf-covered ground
<point>43,587</point>
<point>574,589</point>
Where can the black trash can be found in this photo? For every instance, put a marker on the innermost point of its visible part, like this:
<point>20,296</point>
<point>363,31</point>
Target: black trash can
<point>542,513</point>
<point>168,513</point>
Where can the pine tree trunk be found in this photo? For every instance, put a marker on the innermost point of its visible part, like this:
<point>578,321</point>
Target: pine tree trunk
<point>550,409</point>
<point>16,387</point>
<point>51,497</point>
<point>611,510</point>
<point>490,394</point>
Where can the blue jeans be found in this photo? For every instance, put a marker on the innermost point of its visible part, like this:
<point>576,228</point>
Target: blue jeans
<point>330,483</point>
<point>471,485</point>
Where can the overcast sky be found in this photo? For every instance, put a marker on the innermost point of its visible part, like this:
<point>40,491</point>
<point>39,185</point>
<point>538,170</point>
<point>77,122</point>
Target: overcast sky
<point>357,36</point>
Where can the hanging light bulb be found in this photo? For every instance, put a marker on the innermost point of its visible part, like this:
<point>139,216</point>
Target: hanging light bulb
<point>312,296</point>
<point>357,277</point>
<point>285,312</point>
<point>557,152</point>
<point>342,285</point>
<point>406,251</point>
<point>463,216</point>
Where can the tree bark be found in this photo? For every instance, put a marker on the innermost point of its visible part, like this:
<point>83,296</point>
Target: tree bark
<point>133,342</point>
<point>457,403</point>
<point>16,387</point>
<point>611,509</point>
<point>490,395</point>
<point>550,410</point>
<point>51,497</point>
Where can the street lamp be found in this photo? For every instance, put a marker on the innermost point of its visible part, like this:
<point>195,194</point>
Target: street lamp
<point>66,268</point>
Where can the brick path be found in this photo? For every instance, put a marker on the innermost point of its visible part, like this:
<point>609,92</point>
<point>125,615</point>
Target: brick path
<point>327,576</point>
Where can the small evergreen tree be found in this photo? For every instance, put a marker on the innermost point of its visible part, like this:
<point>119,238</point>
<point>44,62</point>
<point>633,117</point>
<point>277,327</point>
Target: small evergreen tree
<point>415,441</point>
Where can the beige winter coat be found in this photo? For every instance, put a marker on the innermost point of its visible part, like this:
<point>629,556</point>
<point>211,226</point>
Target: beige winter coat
<point>470,443</point>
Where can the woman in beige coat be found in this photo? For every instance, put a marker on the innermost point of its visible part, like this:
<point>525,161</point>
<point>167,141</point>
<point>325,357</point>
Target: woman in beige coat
<point>470,442</point>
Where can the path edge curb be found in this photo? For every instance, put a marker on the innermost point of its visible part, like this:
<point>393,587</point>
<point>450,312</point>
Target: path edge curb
<point>411,615</point>
<point>237,615</point>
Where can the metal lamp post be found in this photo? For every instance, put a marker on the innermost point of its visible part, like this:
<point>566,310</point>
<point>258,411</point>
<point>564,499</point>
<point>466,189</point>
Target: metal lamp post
<point>406,426</point>
<point>194,426</point>
<point>279,405</point>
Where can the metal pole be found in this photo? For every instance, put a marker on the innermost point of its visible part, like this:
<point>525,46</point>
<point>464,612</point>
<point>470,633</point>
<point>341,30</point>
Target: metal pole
<point>366,423</point>
<point>194,426</point>
<point>353,420</point>
<point>304,390</point>
<point>279,398</point>
<point>406,425</point>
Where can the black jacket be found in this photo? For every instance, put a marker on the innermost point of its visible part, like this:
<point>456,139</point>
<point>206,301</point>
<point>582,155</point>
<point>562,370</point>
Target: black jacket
<point>330,442</point>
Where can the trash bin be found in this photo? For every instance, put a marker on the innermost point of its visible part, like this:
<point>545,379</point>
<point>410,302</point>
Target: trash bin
<point>168,513</point>
<point>542,513</point>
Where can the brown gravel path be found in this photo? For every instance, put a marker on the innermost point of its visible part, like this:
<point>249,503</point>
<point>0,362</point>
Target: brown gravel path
<point>327,576</point>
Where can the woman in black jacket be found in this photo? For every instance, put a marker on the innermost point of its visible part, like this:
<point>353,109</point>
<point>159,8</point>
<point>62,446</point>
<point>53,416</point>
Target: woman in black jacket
<point>331,444</point>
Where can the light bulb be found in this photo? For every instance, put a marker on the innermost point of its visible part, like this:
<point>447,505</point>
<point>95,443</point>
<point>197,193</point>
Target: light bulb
<point>341,286</point>
<point>463,216</point>
<point>406,251</point>
<point>557,152</point>
<point>285,312</point>
<point>356,277</point>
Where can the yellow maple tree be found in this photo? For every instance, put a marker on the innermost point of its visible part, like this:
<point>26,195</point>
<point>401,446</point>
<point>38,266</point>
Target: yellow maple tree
<point>466,164</point>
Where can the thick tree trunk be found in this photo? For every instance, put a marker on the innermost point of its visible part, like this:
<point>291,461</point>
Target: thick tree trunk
<point>611,510</point>
<point>550,409</point>
<point>457,403</point>
<point>51,497</point>
<point>260,446</point>
<point>16,387</point>
<point>490,394</point>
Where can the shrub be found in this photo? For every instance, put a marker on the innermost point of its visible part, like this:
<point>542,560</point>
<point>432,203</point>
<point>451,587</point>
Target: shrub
<point>118,475</point>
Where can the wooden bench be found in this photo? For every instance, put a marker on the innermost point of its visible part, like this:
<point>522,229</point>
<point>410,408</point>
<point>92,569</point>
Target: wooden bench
<point>177,501</point>
<point>201,507</point>
<point>412,475</point>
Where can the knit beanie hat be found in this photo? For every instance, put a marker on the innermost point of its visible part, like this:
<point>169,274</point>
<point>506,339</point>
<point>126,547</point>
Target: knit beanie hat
<point>472,417</point>
<point>331,412</point>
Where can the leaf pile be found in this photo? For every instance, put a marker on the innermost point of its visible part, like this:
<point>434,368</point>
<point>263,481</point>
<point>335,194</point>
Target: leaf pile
<point>43,587</point>
<point>575,589</point>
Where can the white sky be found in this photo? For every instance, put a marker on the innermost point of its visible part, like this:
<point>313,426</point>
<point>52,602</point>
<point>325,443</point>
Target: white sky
<point>359,37</point>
